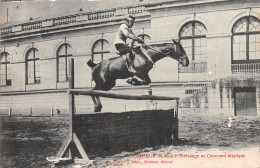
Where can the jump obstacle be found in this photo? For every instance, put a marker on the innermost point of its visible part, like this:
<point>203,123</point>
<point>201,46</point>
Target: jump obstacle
<point>106,132</point>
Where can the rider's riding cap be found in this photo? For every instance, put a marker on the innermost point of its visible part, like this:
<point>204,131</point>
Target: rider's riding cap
<point>130,18</point>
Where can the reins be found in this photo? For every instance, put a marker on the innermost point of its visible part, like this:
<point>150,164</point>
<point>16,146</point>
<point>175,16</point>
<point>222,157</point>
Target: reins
<point>165,54</point>
<point>157,50</point>
<point>150,59</point>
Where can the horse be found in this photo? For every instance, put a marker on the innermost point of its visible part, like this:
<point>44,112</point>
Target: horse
<point>108,71</point>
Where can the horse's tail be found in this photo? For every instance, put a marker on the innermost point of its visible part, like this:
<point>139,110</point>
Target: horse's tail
<point>91,64</point>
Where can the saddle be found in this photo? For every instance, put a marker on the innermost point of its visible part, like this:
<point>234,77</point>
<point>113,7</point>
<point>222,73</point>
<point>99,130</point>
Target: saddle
<point>135,50</point>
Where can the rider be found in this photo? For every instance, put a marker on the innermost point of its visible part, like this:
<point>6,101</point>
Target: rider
<point>123,33</point>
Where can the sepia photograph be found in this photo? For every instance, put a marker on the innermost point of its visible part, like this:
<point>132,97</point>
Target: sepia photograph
<point>130,84</point>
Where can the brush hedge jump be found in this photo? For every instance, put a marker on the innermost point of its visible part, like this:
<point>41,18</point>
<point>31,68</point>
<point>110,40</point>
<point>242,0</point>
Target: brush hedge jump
<point>102,134</point>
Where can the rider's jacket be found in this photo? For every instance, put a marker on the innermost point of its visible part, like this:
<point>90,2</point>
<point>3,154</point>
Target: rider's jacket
<point>123,33</point>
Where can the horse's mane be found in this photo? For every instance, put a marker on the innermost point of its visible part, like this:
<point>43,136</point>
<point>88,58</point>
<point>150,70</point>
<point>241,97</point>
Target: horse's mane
<point>154,45</point>
<point>159,44</point>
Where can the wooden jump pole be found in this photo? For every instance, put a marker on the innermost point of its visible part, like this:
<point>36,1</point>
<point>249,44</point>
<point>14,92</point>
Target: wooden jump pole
<point>72,139</point>
<point>176,121</point>
<point>10,112</point>
<point>118,96</point>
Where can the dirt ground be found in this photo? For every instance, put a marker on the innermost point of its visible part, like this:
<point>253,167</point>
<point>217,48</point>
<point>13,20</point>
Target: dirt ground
<point>206,140</point>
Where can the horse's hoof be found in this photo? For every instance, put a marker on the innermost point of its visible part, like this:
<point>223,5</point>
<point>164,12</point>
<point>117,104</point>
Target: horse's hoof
<point>97,109</point>
<point>100,108</point>
<point>133,81</point>
<point>129,81</point>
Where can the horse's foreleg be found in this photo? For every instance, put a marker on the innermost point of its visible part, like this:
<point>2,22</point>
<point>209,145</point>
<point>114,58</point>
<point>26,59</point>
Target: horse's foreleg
<point>134,81</point>
<point>96,106</point>
<point>145,78</point>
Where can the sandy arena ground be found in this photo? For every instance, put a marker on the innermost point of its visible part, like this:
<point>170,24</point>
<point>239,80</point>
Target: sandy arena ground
<point>206,140</point>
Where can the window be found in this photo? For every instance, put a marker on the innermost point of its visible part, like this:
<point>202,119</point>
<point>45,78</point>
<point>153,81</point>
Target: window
<point>5,69</point>
<point>100,50</point>
<point>63,52</point>
<point>246,40</point>
<point>193,39</point>
<point>32,66</point>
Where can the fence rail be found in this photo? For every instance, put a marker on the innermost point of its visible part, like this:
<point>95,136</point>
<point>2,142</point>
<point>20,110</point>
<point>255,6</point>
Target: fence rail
<point>245,68</point>
<point>31,26</point>
<point>64,20</point>
<point>243,71</point>
<point>136,9</point>
<point>6,30</point>
<point>30,112</point>
<point>101,15</point>
<point>238,71</point>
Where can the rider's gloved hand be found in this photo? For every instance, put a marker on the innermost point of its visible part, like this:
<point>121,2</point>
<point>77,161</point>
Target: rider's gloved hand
<point>140,40</point>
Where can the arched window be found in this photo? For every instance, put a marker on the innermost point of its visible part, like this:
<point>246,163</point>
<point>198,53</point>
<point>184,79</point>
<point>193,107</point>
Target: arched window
<point>32,66</point>
<point>99,50</point>
<point>193,39</point>
<point>63,52</point>
<point>246,40</point>
<point>5,69</point>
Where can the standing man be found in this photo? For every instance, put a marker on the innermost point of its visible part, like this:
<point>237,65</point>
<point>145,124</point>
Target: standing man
<point>123,33</point>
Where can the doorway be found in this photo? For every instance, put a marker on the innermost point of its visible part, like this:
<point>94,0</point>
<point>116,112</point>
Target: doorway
<point>245,101</point>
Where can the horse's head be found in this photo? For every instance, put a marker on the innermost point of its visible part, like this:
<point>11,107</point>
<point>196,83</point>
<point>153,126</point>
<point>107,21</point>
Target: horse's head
<point>178,53</point>
<point>173,50</point>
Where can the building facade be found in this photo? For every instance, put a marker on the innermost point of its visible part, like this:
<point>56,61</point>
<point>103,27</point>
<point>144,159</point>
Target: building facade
<point>220,37</point>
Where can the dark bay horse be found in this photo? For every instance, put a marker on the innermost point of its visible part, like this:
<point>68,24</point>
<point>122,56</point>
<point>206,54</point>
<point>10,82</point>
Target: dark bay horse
<point>107,71</point>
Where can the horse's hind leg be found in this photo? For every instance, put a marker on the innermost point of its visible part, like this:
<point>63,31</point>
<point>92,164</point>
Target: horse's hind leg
<point>96,103</point>
<point>106,86</point>
<point>96,106</point>
<point>96,100</point>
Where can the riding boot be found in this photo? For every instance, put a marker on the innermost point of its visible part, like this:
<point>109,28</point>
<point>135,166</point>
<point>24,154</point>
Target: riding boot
<point>131,62</point>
